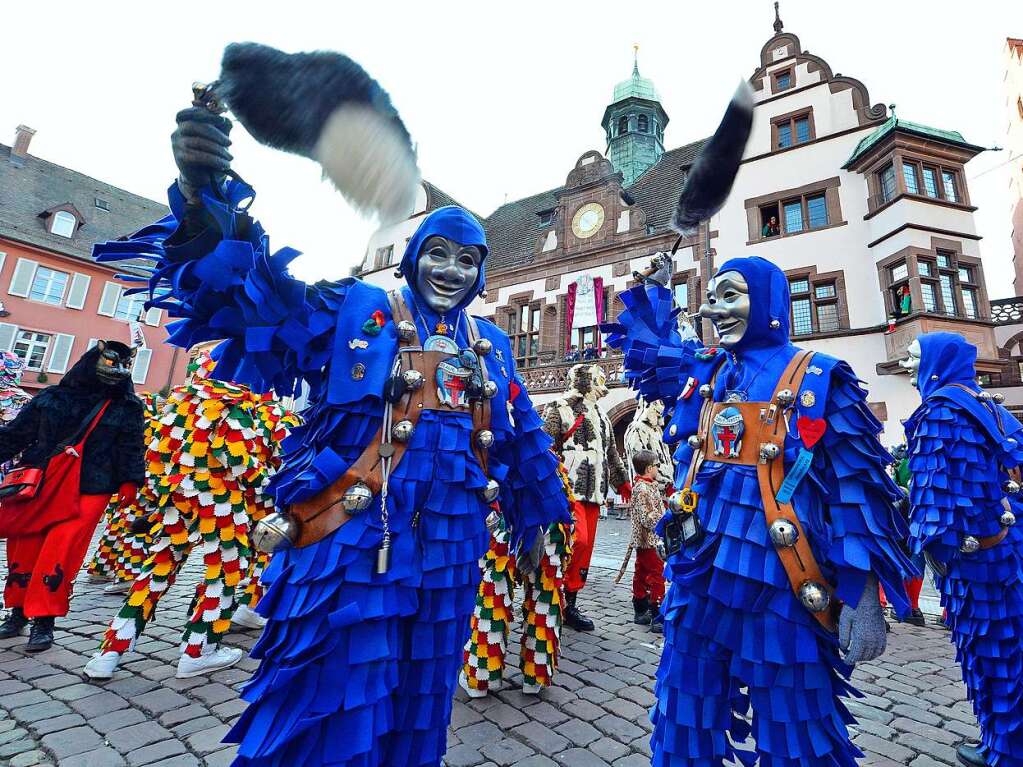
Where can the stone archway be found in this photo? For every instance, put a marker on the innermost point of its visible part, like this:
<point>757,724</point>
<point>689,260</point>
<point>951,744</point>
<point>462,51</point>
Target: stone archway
<point>621,416</point>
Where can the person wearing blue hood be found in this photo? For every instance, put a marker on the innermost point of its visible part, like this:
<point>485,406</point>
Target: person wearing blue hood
<point>784,523</point>
<point>965,451</point>
<point>417,425</point>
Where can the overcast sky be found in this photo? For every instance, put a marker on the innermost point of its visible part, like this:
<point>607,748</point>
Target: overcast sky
<point>500,98</point>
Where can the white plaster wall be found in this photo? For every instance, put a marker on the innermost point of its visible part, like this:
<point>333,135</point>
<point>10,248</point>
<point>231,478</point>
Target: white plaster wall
<point>1014,132</point>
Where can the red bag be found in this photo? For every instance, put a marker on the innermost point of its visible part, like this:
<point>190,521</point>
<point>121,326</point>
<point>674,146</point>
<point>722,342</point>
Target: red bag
<point>57,489</point>
<point>21,484</point>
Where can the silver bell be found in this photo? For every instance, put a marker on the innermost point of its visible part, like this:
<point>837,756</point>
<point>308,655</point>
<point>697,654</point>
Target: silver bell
<point>483,347</point>
<point>998,397</point>
<point>814,596</point>
<point>706,391</point>
<point>485,438</point>
<point>786,397</point>
<point>783,533</point>
<point>1008,519</point>
<point>357,498</point>
<point>694,441</point>
<point>491,491</point>
<point>769,451</point>
<point>273,532</point>
<point>969,545</point>
<point>402,431</point>
<point>1011,487</point>
<point>984,395</point>
<point>413,379</point>
<point>489,389</point>
<point>675,502</point>
<point>406,330</point>
<point>661,549</point>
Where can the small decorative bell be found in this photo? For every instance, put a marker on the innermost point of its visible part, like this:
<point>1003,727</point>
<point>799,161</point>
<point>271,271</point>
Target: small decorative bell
<point>814,596</point>
<point>1011,487</point>
<point>402,431</point>
<point>484,438</point>
<point>483,347</point>
<point>489,389</point>
<point>273,532</point>
<point>998,397</point>
<point>1008,519</point>
<point>694,441</point>
<point>357,498</point>
<point>783,533</point>
<point>413,379</point>
<point>706,391</point>
<point>775,324</point>
<point>984,395</point>
<point>786,397</point>
<point>491,491</point>
<point>969,545</point>
<point>675,502</point>
<point>406,330</point>
<point>769,451</point>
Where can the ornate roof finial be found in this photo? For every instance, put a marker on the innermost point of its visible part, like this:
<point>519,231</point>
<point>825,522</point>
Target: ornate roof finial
<point>635,59</point>
<point>778,26</point>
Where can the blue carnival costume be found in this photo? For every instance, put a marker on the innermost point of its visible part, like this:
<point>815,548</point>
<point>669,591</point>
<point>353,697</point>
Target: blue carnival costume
<point>732,618</point>
<point>358,666</point>
<point>962,445</point>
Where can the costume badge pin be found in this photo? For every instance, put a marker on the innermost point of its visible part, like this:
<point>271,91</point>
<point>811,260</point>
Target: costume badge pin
<point>807,398</point>
<point>689,388</point>
<point>374,324</point>
<point>358,343</point>
<point>814,370</point>
<point>438,343</point>
<point>727,431</point>
<point>451,383</point>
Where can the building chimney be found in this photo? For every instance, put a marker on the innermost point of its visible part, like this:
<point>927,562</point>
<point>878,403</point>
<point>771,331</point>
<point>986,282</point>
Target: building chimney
<point>22,139</point>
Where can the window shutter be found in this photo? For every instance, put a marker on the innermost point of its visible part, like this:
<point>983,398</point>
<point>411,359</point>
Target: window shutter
<point>7,335</point>
<point>153,316</point>
<point>78,292</point>
<point>3,259</point>
<point>21,281</point>
<point>108,301</point>
<point>60,353</point>
<point>140,369</point>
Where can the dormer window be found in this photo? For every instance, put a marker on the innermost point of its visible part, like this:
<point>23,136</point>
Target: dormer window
<point>63,224</point>
<point>782,79</point>
<point>102,204</point>
<point>546,217</point>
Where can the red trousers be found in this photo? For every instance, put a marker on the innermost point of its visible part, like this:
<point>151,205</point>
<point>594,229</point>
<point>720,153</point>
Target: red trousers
<point>586,515</point>
<point>648,580</point>
<point>42,567</point>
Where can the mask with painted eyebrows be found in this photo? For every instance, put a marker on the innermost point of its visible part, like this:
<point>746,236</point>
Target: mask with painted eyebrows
<point>446,272</point>
<point>727,306</point>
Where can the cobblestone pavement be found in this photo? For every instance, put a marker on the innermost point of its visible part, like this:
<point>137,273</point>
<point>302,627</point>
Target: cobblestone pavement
<point>913,712</point>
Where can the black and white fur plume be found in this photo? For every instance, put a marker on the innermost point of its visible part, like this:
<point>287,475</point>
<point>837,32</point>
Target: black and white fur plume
<point>324,106</point>
<point>710,179</point>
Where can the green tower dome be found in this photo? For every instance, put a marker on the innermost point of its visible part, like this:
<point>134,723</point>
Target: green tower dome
<point>634,125</point>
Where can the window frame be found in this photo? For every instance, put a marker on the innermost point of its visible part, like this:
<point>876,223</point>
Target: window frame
<point>814,281</point>
<point>137,299</point>
<point>789,120</point>
<point>63,215</point>
<point>32,344</point>
<point>789,72</point>
<point>52,271</point>
<point>514,327</point>
<point>940,172</point>
<point>935,279</point>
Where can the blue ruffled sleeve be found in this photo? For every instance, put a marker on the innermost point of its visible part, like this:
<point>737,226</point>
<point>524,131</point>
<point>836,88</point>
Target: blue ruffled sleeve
<point>532,493</point>
<point>657,360</point>
<point>213,271</point>
<point>864,532</point>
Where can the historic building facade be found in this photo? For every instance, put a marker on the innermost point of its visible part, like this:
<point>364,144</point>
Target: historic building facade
<point>1014,146</point>
<point>55,301</point>
<point>869,215</point>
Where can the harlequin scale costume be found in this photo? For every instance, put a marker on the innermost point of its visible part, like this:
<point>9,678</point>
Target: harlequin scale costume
<point>542,609</point>
<point>12,397</point>
<point>965,451</point>
<point>213,449</point>
<point>124,545</point>
<point>758,565</point>
<point>97,394</point>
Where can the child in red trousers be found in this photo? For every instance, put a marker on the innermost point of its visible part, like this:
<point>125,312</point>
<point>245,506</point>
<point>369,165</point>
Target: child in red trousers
<point>646,509</point>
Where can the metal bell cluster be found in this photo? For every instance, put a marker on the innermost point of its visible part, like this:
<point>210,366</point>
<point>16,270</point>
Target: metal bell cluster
<point>273,532</point>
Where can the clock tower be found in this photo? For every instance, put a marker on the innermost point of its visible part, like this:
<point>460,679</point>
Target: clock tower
<point>634,125</point>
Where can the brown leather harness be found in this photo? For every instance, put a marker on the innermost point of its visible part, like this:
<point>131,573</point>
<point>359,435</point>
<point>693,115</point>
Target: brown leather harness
<point>798,560</point>
<point>324,513</point>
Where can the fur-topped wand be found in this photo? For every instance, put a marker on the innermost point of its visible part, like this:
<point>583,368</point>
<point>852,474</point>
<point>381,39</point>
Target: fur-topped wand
<point>323,106</point>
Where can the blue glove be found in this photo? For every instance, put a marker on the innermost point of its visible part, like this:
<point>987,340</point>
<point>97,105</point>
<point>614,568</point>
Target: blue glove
<point>862,631</point>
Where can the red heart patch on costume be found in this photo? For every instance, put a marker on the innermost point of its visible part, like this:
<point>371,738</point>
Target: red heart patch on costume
<point>811,430</point>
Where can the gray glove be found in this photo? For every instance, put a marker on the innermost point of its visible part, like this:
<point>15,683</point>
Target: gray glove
<point>862,631</point>
<point>663,269</point>
<point>530,558</point>
<point>200,149</point>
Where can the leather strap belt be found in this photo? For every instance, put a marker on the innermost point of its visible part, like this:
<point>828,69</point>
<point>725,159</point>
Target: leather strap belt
<point>321,515</point>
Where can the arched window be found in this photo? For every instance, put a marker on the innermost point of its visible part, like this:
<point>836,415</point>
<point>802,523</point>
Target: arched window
<point>63,224</point>
<point>644,124</point>
<point>623,125</point>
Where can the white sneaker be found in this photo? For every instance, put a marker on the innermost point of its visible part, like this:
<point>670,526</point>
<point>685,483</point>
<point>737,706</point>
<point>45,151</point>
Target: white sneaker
<point>102,665</point>
<point>118,587</point>
<point>531,689</point>
<point>248,618</point>
<point>472,692</point>
<point>221,657</point>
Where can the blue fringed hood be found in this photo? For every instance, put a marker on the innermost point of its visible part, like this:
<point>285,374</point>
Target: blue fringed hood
<point>945,358</point>
<point>456,224</point>
<point>769,301</point>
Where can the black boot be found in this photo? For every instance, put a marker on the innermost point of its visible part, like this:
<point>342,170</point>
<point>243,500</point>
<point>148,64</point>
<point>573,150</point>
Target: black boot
<point>916,618</point>
<point>573,618</point>
<point>40,636</point>
<point>13,623</point>
<point>972,754</point>
<point>642,609</point>
<point>656,619</point>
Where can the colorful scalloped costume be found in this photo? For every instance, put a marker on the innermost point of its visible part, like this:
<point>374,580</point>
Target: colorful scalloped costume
<point>736,636</point>
<point>542,608</point>
<point>358,666</point>
<point>212,450</point>
<point>961,444</point>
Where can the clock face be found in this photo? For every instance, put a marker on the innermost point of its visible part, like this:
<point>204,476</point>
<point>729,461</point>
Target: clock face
<point>587,220</point>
